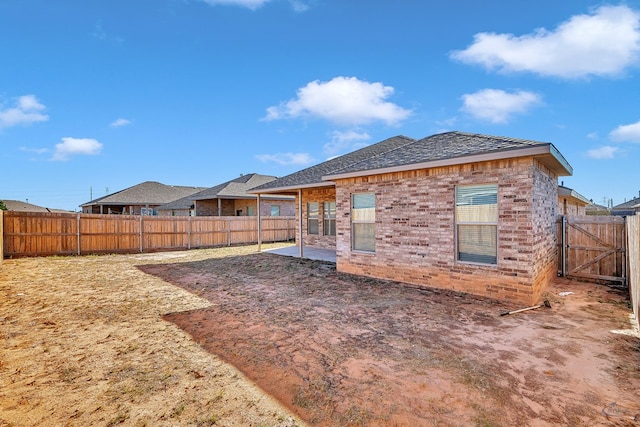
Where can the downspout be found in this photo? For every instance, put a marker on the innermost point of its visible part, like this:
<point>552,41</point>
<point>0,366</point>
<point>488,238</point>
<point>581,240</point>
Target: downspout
<point>300,250</point>
<point>259,225</point>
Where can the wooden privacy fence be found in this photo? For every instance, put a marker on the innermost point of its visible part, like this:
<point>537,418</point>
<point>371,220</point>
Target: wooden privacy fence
<point>43,233</point>
<point>633,239</point>
<point>592,247</point>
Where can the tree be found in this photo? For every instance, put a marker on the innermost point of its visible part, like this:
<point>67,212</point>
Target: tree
<point>3,207</point>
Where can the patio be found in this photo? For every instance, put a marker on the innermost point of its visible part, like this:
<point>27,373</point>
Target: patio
<point>309,252</point>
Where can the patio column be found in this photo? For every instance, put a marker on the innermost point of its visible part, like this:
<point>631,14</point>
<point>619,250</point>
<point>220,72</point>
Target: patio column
<point>300,250</point>
<point>219,207</point>
<point>259,225</point>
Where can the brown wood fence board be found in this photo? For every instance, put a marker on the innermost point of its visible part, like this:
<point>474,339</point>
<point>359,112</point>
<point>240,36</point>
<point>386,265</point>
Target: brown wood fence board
<point>44,233</point>
<point>594,247</point>
<point>633,239</point>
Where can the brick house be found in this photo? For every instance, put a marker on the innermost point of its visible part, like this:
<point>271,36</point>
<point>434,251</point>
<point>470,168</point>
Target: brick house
<point>140,199</point>
<point>231,198</point>
<point>473,213</point>
<point>570,202</point>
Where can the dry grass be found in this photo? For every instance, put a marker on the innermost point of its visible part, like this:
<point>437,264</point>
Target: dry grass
<point>82,342</point>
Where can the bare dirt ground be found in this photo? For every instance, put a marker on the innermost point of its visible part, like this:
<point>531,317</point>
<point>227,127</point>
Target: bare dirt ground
<point>94,341</point>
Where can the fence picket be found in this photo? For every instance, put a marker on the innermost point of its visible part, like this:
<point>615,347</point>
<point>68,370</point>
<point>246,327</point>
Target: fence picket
<point>46,233</point>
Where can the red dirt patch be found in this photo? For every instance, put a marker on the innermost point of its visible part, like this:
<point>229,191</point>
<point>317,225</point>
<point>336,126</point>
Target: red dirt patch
<point>346,350</point>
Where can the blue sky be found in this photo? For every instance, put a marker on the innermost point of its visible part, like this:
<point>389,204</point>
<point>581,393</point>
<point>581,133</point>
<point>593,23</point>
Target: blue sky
<point>97,96</point>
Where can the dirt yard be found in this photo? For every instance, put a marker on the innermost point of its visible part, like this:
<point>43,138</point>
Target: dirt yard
<point>231,337</point>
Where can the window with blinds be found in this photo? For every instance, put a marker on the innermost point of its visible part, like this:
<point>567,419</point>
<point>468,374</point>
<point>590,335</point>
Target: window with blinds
<point>312,218</point>
<point>477,223</point>
<point>329,218</point>
<point>363,222</point>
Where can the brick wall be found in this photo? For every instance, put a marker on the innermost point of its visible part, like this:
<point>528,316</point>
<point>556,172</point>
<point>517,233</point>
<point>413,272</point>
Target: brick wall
<point>415,228</point>
<point>230,207</point>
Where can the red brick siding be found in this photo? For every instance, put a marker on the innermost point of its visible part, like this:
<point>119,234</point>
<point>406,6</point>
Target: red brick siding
<point>415,228</point>
<point>230,207</point>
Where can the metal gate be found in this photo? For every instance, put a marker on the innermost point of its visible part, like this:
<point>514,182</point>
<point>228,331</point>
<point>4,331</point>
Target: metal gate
<point>593,247</point>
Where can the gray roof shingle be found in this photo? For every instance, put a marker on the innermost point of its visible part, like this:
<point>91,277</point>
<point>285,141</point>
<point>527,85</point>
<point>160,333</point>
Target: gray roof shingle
<point>403,151</point>
<point>146,193</point>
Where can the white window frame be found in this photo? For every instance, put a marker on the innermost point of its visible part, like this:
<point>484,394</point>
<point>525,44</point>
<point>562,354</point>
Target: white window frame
<point>329,218</point>
<point>365,215</point>
<point>315,218</point>
<point>481,248</point>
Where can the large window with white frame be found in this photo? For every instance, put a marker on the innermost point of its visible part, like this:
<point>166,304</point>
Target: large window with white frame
<point>363,222</point>
<point>477,223</point>
<point>312,218</point>
<point>329,218</point>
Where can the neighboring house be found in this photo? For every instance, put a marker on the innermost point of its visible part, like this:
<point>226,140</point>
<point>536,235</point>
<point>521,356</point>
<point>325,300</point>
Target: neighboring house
<point>595,209</point>
<point>232,199</point>
<point>630,208</point>
<point>141,199</point>
<point>570,202</point>
<point>19,206</point>
<point>468,212</point>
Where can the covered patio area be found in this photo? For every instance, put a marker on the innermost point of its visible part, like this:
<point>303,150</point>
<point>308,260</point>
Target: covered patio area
<point>318,254</point>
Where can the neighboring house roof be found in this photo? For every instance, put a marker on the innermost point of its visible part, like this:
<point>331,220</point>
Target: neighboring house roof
<point>627,208</point>
<point>631,204</point>
<point>568,192</point>
<point>19,206</point>
<point>402,153</point>
<point>234,189</point>
<point>146,193</point>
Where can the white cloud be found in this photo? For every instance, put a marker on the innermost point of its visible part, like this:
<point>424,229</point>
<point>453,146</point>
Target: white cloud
<point>345,141</point>
<point>34,150</point>
<point>73,146</point>
<point>626,133</point>
<point>605,152</point>
<point>120,122</point>
<point>249,4</point>
<point>343,100</point>
<point>27,110</point>
<point>497,106</point>
<point>593,135</point>
<point>602,43</point>
<point>286,158</point>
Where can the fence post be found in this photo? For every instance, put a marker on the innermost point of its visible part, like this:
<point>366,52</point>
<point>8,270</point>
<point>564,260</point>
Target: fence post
<point>78,236</point>
<point>141,234</point>
<point>189,232</point>
<point>228,232</point>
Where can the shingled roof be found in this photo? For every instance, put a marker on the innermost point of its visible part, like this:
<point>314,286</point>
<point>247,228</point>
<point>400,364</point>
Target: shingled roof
<point>147,193</point>
<point>403,153</point>
<point>233,189</point>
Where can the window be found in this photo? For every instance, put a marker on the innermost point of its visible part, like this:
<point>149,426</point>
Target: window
<point>249,210</point>
<point>363,222</point>
<point>312,218</point>
<point>329,218</point>
<point>477,223</point>
<point>275,210</point>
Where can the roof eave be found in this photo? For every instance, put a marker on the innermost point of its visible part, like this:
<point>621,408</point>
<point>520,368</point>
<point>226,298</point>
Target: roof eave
<point>547,154</point>
<point>292,189</point>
